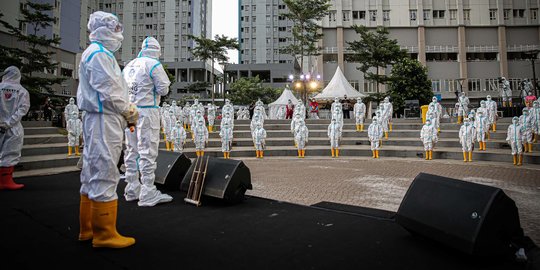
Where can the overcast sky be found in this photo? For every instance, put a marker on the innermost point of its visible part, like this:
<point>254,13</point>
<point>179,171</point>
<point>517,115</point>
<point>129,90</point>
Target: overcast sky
<point>225,22</point>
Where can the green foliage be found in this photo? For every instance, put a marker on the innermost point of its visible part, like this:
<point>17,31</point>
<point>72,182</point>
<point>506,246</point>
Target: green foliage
<point>409,81</point>
<point>375,50</point>
<point>34,53</point>
<point>306,32</point>
<point>214,50</point>
<point>198,86</point>
<point>247,90</point>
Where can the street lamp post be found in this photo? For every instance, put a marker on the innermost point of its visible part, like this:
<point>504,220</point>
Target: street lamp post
<point>305,82</point>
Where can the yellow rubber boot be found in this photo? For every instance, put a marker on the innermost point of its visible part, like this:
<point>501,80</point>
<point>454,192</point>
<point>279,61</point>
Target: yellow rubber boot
<point>459,119</point>
<point>390,126</point>
<point>362,127</point>
<point>77,150</point>
<point>464,156</point>
<point>299,153</point>
<point>85,218</point>
<point>201,153</point>
<point>225,155</point>
<point>427,155</point>
<point>167,146</point>
<point>373,153</point>
<point>164,137</point>
<point>104,226</point>
<point>257,153</point>
<point>484,143</point>
<point>470,156</point>
<point>333,153</point>
<point>386,135</point>
<point>262,153</point>
<point>530,147</point>
<point>69,151</point>
<point>509,103</point>
<point>337,152</point>
<point>304,153</point>
<point>376,153</point>
<point>430,154</point>
<point>520,160</point>
<point>172,146</point>
<point>488,136</point>
<point>357,127</point>
<point>228,155</point>
<point>494,127</point>
<point>514,157</point>
<point>504,103</point>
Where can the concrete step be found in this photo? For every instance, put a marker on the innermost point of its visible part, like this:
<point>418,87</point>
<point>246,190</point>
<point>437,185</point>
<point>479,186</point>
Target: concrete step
<point>44,139</point>
<point>45,171</point>
<point>36,124</point>
<point>498,155</point>
<point>46,161</point>
<point>42,130</point>
<point>44,149</point>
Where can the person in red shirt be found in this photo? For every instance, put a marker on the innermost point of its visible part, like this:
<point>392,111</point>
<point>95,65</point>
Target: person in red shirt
<point>313,109</point>
<point>289,110</point>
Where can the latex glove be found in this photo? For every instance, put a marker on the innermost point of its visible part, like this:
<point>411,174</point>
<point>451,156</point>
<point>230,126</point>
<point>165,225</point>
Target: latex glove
<point>131,115</point>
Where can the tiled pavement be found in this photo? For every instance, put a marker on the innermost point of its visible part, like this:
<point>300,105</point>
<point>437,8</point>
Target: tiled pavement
<point>382,183</point>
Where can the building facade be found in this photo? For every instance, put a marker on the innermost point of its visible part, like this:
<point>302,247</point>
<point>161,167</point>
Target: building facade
<point>465,44</point>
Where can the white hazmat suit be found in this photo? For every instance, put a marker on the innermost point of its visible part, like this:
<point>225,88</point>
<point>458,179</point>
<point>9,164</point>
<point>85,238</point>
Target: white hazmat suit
<point>334,135</point>
<point>147,82</point>
<point>301,137</point>
<point>359,114</point>
<point>375,134</point>
<point>178,137</point>
<point>15,102</point>
<point>514,139</point>
<point>467,135</point>
<point>226,134</point>
<point>211,115</point>
<point>103,95</point>
<point>429,138</point>
<point>259,139</point>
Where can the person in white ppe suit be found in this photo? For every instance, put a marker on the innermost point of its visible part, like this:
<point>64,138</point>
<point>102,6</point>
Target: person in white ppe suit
<point>335,104</point>
<point>300,108</point>
<point>103,95</point>
<point>15,102</point>
<point>388,110</point>
<point>526,121</point>
<point>433,114</point>
<point>429,138</point>
<point>226,134</point>
<point>246,115</point>
<point>240,113</point>
<point>259,139</point>
<point>211,115</point>
<point>228,108</point>
<point>375,134</point>
<point>514,138</point>
<point>463,107</point>
<point>467,135</point>
<point>147,82</point>
<point>491,106</point>
<point>187,120</point>
<point>200,137</point>
<point>74,129</point>
<point>301,137</point>
<point>178,111</point>
<point>505,92</point>
<point>334,135</point>
<point>535,113</point>
<point>337,113</point>
<point>281,113</point>
<point>71,110</point>
<point>482,126</point>
<point>227,118</point>
<point>179,136</point>
<point>438,109</point>
<point>169,121</point>
<point>260,104</point>
<point>359,114</point>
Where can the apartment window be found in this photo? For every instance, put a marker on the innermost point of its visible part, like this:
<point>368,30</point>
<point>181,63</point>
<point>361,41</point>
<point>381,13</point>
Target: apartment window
<point>467,14</point>
<point>282,40</point>
<point>141,16</point>
<point>493,14</point>
<point>163,15</point>
<point>506,14</point>
<point>148,27</point>
<point>268,19</point>
<point>140,38</point>
<point>332,16</point>
<point>474,85</point>
<point>358,15</point>
<point>434,57</point>
<point>246,29</point>
<point>162,5</point>
<point>435,86</point>
<point>134,16</point>
<point>134,39</point>
<point>449,85</point>
<point>134,28</point>
<point>438,14</point>
<point>346,15</point>
<point>412,14</point>
<point>140,27</point>
<point>519,13</point>
<point>534,13</point>
<point>254,8</point>
<point>120,5</point>
<point>453,14</point>
<point>254,19</point>
<point>373,15</point>
<point>427,13</point>
<point>162,38</point>
<point>149,4</point>
<point>386,15</point>
<point>141,5</point>
<point>148,15</point>
<point>492,84</point>
<point>162,26</point>
<point>282,28</point>
<point>488,56</point>
<point>370,87</point>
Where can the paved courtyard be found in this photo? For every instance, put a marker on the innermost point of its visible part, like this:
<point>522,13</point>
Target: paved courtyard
<point>382,183</point>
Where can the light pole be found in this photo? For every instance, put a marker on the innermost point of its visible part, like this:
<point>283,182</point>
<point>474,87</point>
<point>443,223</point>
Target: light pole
<point>305,83</point>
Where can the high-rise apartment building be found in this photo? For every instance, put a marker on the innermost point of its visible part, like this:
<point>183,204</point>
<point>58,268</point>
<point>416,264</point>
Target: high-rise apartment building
<point>465,44</point>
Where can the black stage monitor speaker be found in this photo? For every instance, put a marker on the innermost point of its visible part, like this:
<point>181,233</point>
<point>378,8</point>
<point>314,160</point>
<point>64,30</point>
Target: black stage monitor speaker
<point>171,168</point>
<point>476,219</point>
<point>226,179</point>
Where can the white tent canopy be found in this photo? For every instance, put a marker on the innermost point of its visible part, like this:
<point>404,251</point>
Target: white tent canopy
<point>282,101</point>
<point>338,87</point>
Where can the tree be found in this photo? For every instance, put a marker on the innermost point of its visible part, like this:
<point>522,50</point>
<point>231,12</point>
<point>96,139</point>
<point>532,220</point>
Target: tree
<point>306,32</point>
<point>409,81</point>
<point>34,53</point>
<point>213,50</point>
<point>246,90</point>
<point>375,50</point>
